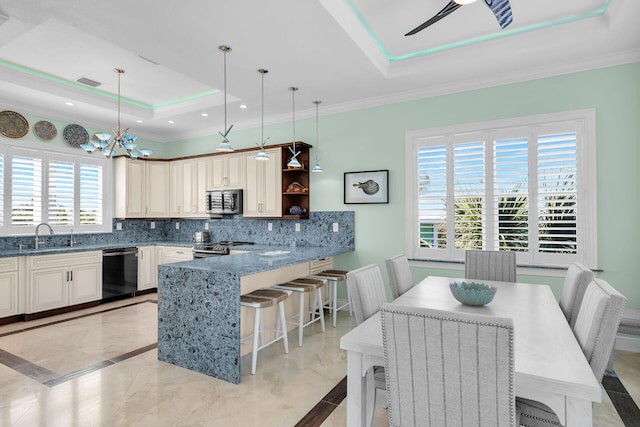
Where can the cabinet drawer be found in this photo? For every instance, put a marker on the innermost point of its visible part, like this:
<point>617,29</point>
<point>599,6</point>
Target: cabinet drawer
<point>9,264</point>
<point>318,265</point>
<point>66,260</point>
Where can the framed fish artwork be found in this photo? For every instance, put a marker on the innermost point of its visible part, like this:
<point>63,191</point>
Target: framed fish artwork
<point>366,187</point>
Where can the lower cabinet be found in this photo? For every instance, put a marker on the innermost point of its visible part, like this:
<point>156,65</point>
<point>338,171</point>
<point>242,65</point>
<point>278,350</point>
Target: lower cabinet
<point>9,287</point>
<point>169,254</point>
<point>147,268</point>
<point>61,280</point>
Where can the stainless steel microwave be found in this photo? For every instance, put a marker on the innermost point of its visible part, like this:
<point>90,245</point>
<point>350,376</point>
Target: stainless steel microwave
<point>224,202</point>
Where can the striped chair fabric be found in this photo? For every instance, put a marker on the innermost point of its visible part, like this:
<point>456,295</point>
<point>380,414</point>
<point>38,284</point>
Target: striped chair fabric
<point>448,369</point>
<point>595,329</point>
<point>366,290</point>
<point>490,265</point>
<point>576,281</point>
<point>399,273</point>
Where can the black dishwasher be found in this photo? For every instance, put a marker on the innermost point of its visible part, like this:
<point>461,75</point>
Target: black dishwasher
<point>119,273</point>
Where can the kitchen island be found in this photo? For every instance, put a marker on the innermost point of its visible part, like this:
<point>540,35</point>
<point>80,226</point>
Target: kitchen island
<point>199,303</point>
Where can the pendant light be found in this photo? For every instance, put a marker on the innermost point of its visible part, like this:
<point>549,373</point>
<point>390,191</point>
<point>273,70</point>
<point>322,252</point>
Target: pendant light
<point>317,167</point>
<point>262,155</point>
<point>108,144</point>
<point>225,146</point>
<point>293,162</point>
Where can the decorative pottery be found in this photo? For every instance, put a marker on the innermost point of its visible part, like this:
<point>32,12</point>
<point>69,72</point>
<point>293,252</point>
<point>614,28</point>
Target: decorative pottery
<point>297,210</point>
<point>296,187</point>
<point>45,130</point>
<point>473,293</point>
<point>369,187</point>
<point>13,125</point>
<point>75,135</point>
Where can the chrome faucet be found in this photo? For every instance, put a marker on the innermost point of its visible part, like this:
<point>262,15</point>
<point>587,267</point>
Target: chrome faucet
<point>37,227</point>
<point>71,241</point>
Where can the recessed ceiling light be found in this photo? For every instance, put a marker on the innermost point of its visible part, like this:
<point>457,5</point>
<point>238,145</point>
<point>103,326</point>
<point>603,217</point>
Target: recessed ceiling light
<point>205,115</point>
<point>243,106</point>
<point>69,104</point>
<point>171,122</point>
<point>138,121</point>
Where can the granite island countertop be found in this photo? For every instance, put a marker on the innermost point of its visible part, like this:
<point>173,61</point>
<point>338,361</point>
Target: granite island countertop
<point>199,304</point>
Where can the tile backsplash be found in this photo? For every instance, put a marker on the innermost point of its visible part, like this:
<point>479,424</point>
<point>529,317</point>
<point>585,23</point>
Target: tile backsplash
<point>315,231</point>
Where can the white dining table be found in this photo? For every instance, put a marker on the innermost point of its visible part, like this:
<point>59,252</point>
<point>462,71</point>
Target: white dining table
<point>550,366</point>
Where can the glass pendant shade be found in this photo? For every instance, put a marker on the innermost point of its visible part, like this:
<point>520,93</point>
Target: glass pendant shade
<point>317,168</point>
<point>262,156</point>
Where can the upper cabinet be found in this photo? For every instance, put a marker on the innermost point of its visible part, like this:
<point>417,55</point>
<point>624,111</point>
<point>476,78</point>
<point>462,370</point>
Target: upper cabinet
<point>263,185</point>
<point>227,172</point>
<point>189,181</point>
<point>142,188</point>
<point>295,184</point>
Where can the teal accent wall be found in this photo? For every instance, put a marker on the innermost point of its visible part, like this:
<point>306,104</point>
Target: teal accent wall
<point>373,138</point>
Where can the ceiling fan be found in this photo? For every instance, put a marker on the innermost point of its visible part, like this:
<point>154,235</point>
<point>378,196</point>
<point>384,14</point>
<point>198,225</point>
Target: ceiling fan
<point>500,8</point>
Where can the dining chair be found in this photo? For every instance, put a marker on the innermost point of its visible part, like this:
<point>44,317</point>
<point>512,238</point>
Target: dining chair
<point>399,273</point>
<point>445,368</point>
<point>490,265</point>
<point>595,329</point>
<point>576,281</point>
<point>366,290</point>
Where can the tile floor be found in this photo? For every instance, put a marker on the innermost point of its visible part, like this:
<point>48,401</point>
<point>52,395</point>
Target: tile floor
<point>99,367</point>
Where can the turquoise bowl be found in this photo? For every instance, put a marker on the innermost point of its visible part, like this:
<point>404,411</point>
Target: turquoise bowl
<point>473,293</point>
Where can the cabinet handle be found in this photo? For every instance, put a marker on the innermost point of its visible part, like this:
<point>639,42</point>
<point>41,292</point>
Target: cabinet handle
<point>71,273</point>
<point>141,255</point>
<point>67,276</point>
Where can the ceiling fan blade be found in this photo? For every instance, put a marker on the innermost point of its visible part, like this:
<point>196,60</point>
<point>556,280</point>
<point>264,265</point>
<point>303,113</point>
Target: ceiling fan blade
<point>448,9</point>
<point>502,10</point>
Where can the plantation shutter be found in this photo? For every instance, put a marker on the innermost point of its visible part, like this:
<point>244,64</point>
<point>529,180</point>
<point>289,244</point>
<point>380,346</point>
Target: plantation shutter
<point>511,190</point>
<point>469,194</point>
<point>1,189</point>
<point>432,194</point>
<point>90,194</point>
<point>557,193</point>
<point>26,191</point>
<point>61,193</point>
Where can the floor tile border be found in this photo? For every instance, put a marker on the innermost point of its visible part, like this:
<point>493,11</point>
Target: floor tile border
<point>50,378</point>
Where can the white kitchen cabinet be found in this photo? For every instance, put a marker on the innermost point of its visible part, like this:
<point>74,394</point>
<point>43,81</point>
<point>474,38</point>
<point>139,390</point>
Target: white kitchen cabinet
<point>226,172</point>
<point>9,287</point>
<point>61,280</point>
<point>142,188</point>
<point>263,185</point>
<point>189,182</point>
<point>169,254</point>
<point>147,268</point>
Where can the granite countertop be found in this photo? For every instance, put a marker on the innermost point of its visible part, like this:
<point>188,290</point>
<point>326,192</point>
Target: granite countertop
<point>252,262</point>
<point>49,250</point>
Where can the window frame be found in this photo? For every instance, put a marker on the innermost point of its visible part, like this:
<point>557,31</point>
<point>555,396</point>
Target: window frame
<point>63,154</point>
<point>585,121</point>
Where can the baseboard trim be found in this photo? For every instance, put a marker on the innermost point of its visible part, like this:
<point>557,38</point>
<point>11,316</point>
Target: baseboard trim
<point>628,343</point>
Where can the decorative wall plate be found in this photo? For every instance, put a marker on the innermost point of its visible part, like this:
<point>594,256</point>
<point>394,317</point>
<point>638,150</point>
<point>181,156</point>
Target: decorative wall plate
<point>45,130</point>
<point>13,125</point>
<point>74,135</point>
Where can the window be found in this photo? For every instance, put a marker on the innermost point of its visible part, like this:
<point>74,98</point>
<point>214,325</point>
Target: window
<point>524,185</point>
<point>57,186</point>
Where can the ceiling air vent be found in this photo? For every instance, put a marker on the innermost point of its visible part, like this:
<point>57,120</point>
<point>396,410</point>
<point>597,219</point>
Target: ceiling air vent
<point>88,82</point>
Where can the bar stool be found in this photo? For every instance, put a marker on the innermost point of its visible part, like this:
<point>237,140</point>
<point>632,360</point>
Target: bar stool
<point>304,286</point>
<point>334,276</point>
<point>259,300</point>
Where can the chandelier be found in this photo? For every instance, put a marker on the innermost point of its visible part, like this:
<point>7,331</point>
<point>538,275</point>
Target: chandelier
<point>108,143</point>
